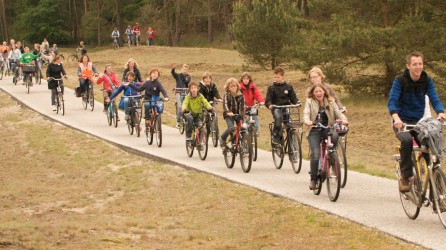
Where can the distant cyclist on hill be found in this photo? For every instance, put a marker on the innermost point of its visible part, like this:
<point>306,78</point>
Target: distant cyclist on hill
<point>137,33</point>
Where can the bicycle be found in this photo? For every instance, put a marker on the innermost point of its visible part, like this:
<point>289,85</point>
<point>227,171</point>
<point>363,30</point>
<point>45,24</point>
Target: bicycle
<point>211,122</point>
<point>239,143</point>
<point>291,143</point>
<point>88,95</point>
<point>154,126</point>
<point>183,92</point>
<point>329,168</point>
<point>112,113</point>
<point>427,176</point>
<point>251,111</point>
<point>198,139</point>
<point>28,70</point>
<point>74,56</point>
<point>16,71</point>
<point>134,108</point>
<point>115,43</point>
<point>60,103</point>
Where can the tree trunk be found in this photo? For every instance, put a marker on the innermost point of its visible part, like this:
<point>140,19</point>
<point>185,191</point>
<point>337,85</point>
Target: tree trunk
<point>306,9</point>
<point>385,12</point>
<point>98,20</point>
<point>5,26</point>
<point>177,22</point>
<point>85,7</point>
<point>210,28</point>
<point>76,22</point>
<point>118,14</point>
<point>166,13</point>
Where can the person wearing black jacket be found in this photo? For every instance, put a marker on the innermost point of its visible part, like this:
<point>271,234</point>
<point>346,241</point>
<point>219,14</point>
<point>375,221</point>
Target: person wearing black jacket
<point>279,93</point>
<point>182,82</point>
<point>55,70</point>
<point>152,89</point>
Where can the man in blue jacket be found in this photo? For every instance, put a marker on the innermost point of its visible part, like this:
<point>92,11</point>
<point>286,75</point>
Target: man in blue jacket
<point>406,105</point>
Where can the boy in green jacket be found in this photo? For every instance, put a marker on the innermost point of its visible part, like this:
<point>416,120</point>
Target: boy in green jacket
<point>193,104</point>
<point>28,57</point>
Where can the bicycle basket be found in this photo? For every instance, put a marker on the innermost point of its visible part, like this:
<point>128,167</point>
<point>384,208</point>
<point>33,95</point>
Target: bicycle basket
<point>28,68</point>
<point>342,130</point>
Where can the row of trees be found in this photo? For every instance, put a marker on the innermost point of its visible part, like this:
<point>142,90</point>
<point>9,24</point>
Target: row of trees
<point>359,43</point>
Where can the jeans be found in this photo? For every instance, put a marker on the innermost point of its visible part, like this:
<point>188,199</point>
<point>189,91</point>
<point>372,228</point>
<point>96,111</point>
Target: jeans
<point>190,121</point>
<point>83,83</point>
<point>279,117</point>
<point>314,140</point>
<point>54,94</point>
<point>230,129</point>
<point>406,148</point>
<point>126,101</point>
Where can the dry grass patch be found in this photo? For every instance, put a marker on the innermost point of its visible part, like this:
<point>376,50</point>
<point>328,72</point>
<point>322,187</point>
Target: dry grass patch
<point>62,189</point>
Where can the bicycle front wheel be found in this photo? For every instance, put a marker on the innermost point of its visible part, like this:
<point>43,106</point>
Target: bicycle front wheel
<point>333,177</point>
<point>109,116</point>
<point>295,151</point>
<point>136,121</point>
<point>57,104</point>
<point>131,122</point>
<point>229,153</point>
<point>319,181</point>
<point>246,151</point>
<point>149,134</point>
<point>37,77</point>
<point>158,131</point>
<point>411,201</point>
<point>215,131</point>
<point>277,152</point>
<point>2,72</point>
<point>439,188</point>
<point>85,97</point>
<point>202,147</point>
<point>28,82</point>
<point>115,115</point>
<point>254,143</point>
<point>189,148</point>
<point>62,103</point>
<point>91,99</point>
<point>342,163</point>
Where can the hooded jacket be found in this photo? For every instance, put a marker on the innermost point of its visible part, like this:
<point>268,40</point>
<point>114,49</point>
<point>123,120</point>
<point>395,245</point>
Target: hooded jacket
<point>406,97</point>
<point>251,93</point>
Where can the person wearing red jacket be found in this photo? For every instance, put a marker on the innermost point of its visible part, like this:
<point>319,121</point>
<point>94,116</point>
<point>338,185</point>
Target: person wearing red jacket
<point>137,33</point>
<point>251,94</point>
<point>109,82</point>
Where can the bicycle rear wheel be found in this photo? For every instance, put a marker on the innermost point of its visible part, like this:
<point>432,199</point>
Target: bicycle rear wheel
<point>229,153</point>
<point>246,151</point>
<point>85,97</point>
<point>342,163</point>
<point>57,104</point>
<point>295,151</point>
<point>333,177</point>
<point>439,188</point>
<point>319,182</point>
<point>15,76</point>
<point>2,72</point>
<point>109,116</point>
<point>411,201</point>
<point>202,148</point>
<point>158,131</point>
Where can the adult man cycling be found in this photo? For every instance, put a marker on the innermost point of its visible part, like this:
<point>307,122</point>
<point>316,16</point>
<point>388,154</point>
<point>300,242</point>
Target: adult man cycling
<point>406,105</point>
<point>115,35</point>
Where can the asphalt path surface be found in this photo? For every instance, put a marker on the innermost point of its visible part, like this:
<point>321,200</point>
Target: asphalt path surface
<point>368,200</point>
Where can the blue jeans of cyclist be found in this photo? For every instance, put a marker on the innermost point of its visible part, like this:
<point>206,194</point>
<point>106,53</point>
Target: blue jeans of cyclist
<point>83,83</point>
<point>190,122</point>
<point>126,101</point>
<point>229,130</point>
<point>314,140</point>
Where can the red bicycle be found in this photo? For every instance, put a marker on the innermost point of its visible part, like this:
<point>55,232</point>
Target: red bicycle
<point>239,143</point>
<point>329,168</point>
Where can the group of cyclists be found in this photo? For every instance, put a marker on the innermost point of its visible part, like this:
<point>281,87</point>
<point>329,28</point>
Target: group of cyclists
<point>133,35</point>
<point>322,109</point>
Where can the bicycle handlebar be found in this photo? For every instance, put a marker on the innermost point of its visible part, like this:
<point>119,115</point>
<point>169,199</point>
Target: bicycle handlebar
<point>287,106</point>
<point>52,78</point>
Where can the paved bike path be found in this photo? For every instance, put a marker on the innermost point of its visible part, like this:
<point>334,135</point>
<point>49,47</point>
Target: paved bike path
<point>368,200</point>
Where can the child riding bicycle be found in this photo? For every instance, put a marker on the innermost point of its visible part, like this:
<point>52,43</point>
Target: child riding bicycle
<point>251,94</point>
<point>182,81</point>
<point>193,103</point>
<point>279,93</point>
<point>320,107</point>
<point>128,91</point>
<point>233,104</point>
<point>109,82</point>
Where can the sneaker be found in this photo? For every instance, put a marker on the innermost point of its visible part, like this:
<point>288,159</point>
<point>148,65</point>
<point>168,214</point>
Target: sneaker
<point>313,185</point>
<point>222,143</point>
<point>54,107</point>
<point>404,185</point>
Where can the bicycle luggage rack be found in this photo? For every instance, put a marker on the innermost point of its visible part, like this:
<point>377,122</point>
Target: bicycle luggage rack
<point>28,68</point>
